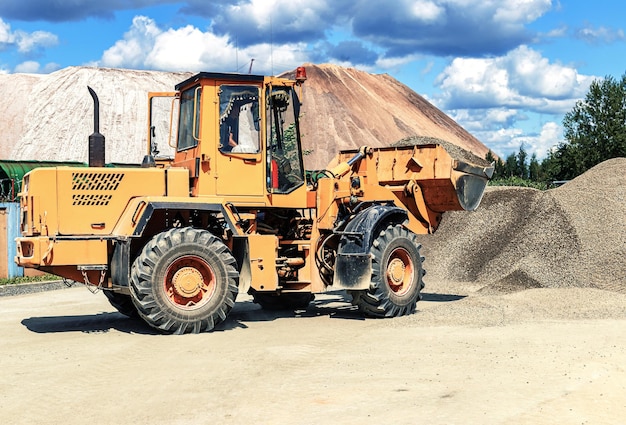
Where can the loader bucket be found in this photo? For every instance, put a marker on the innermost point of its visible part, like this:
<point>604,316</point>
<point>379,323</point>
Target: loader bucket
<point>453,183</point>
<point>470,184</point>
<point>447,180</point>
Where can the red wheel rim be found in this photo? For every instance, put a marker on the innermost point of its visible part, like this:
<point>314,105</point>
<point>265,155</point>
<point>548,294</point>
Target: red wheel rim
<point>189,282</point>
<point>400,271</point>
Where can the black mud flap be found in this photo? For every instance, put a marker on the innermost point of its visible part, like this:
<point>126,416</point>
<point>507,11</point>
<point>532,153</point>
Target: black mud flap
<point>353,265</point>
<point>352,271</point>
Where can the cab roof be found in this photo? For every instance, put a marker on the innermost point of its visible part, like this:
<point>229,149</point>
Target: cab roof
<point>246,78</point>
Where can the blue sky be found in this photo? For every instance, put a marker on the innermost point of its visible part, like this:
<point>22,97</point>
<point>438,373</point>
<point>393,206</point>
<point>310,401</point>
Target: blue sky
<point>506,70</point>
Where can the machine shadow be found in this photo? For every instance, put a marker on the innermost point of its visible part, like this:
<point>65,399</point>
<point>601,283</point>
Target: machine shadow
<point>336,305</point>
<point>441,297</point>
<point>93,323</point>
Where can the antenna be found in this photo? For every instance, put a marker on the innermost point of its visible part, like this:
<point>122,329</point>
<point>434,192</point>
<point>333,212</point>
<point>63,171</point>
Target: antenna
<point>250,68</point>
<point>271,45</point>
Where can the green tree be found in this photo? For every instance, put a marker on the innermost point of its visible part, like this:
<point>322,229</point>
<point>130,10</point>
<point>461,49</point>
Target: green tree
<point>498,171</point>
<point>522,163</point>
<point>534,169</point>
<point>594,130</point>
<point>510,166</point>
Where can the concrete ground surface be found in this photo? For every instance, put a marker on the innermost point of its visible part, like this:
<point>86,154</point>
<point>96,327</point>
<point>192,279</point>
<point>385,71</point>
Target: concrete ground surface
<point>539,356</point>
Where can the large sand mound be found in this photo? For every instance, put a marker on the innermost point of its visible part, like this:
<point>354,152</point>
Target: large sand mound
<point>519,238</point>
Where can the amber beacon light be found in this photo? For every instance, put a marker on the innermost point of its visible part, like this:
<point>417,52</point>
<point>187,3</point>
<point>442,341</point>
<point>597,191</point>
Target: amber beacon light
<point>300,75</point>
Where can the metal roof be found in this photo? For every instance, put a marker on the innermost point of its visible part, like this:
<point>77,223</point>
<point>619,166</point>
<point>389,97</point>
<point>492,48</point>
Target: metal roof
<point>16,169</point>
<point>12,173</point>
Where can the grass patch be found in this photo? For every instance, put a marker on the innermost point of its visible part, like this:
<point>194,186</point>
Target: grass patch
<point>28,279</point>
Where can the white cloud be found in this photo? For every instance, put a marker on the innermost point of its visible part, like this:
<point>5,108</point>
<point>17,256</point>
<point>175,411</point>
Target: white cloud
<point>28,67</point>
<point>33,67</point>
<point>294,15</point>
<point>510,140</point>
<point>188,48</point>
<point>506,141</point>
<point>521,79</point>
<point>486,120</point>
<point>6,37</point>
<point>534,76</point>
<point>557,32</point>
<point>551,134</point>
<point>505,130</point>
<point>395,62</point>
<point>27,42</point>
<point>24,41</point>
<point>600,35</point>
<point>426,11</point>
<point>520,11</point>
<point>131,51</point>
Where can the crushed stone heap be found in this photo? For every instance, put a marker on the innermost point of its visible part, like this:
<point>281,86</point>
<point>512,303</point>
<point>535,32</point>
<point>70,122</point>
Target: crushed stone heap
<point>519,238</point>
<point>455,151</point>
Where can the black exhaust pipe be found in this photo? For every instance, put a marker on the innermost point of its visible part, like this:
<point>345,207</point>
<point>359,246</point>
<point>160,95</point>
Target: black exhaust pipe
<point>96,140</point>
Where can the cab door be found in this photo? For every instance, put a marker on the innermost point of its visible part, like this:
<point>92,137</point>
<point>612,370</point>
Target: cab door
<point>239,159</point>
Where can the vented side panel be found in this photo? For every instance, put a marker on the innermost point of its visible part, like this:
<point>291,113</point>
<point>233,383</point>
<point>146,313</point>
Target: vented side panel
<point>92,200</point>
<point>88,200</point>
<point>96,181</point>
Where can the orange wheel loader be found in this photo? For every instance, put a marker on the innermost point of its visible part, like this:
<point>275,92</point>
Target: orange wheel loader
<point>234,211</point>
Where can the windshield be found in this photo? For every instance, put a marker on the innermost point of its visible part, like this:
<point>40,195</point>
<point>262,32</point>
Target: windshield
<point>285,170</point>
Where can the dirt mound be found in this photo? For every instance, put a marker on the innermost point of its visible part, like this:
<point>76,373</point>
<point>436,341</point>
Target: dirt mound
<point>520,238</point>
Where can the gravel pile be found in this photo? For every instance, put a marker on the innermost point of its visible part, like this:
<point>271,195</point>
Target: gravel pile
<point>455,151</point>
<point>520,238</point>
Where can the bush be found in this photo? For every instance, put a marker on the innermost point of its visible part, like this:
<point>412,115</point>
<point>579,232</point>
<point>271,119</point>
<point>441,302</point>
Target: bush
<point>518,181</point>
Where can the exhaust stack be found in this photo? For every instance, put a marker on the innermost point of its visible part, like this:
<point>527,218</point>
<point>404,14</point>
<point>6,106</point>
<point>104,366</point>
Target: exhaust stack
<point>96,140</point>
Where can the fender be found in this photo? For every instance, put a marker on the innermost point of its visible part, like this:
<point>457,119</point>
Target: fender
<point>121,246</point>
<point>353,264</point>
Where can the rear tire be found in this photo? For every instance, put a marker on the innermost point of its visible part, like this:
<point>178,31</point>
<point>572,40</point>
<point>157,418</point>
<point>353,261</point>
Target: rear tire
<point>397,273</point>
<point>184,281</point>
<point>122,303</point>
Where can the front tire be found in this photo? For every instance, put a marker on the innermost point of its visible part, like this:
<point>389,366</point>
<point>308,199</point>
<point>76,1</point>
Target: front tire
<point>184,281</point>
<point>397,273</point>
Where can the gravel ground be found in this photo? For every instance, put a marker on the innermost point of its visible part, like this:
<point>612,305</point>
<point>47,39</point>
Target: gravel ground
<point>540,356</point>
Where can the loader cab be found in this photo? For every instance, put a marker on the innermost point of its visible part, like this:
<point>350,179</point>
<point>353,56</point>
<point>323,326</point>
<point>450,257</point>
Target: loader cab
<point>238,135</point>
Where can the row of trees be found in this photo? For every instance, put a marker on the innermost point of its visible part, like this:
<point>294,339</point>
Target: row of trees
<point>594,131</point>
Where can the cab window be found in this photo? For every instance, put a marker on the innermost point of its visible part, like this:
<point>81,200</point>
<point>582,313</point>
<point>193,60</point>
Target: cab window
<point>189,119</point>
<point>285,169</point>
<point>239,119</point>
